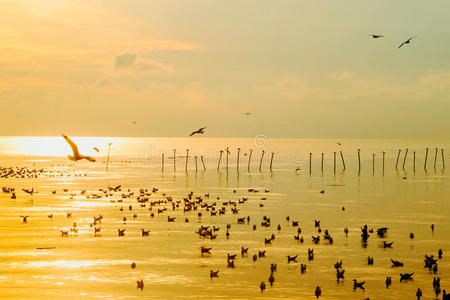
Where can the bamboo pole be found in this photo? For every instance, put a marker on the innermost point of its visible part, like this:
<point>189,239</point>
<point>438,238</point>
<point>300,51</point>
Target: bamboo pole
<point>195,158</point>
<point>174,160</point>
<point>435,158</point>
<point>249,159</point>
<point>342,158</point>
<point>321,164</point>
<point>384,154</point>
<point>443,160</point>
<point>334,162</point>
<point>162,162</point>
<point>220,158</point>
<point>359,161</point>
<point>107,159</point>
<point>310,163</point>
<point>260,162</point>
<point>203,163</point>
<point>187,157</point>
<point>398,156</point>
<point>414,161</point>
<point>237,162</point>
<point>404,159</point>
<point>271,161</point>
<point>227,158</point>
<point>426,159</point>
<point>373,163</point>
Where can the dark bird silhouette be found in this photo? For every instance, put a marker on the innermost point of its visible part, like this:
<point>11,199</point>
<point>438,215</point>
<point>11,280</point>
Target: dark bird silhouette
<point>388,281</point>
<point>24,218</point>
<point>140,284</point>
<point>406,42</point>
<point>419,293</point>
<point>213,274</point>
<point>357,284</point>
<point>76,154</point>
<point>96,149</point>
<point>318,292</point>
<point>396,263</point>
<point>198,131</point>
<point>292,258</point>
<point>406,276</point>
<point>262,286</point>
<point>376,36</point>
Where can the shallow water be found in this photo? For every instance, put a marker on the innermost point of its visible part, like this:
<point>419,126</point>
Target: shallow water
<point>87,266</point>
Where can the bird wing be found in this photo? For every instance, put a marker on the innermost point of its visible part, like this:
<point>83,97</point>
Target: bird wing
<point>401,45</point>
<point>193,132</point>
<point>72,145</point>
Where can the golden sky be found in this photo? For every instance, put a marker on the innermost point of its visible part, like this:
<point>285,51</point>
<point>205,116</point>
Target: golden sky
<point>303,68</point>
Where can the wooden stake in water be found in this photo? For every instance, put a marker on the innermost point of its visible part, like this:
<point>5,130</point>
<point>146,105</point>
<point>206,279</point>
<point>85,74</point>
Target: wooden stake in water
<point>435,158</point>
<point>404,159</point>
<point>271,161</point>
<point>187,157</point>
<point>310,163</point>
<point>321,164</point>
<point>195,157</point>
<point>342,158</point>
<point>220,158</point>
<point>203,163</point>
<point>373,163</point>
<point>249,159</point>
<point>237,162</point>
<point>162,163</point>
<point>107,159</point>
<point>426,158</point>
<point>414,161</point>
<point>384,154</point>
<point>359,162</point>
<point>443,161</point>
<point>398,156</point>
<point>174,159</point>
<point>228,152</point>
<point>260,162</point>
<point>334,162</point>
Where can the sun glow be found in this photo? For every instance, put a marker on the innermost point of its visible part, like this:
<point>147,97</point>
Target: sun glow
<point>54,146</point>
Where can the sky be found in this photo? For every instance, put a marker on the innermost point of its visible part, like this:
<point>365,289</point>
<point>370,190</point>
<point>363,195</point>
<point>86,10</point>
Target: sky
<point>301,68</point>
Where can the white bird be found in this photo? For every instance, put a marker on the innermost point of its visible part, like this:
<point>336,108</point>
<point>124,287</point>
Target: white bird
<point>76,154</point>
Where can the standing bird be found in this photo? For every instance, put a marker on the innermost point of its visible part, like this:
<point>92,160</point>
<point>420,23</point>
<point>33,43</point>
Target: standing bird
<point>76,154</point>
<point>406,42</point>
<point>199,131</point>
<point>318,292</point>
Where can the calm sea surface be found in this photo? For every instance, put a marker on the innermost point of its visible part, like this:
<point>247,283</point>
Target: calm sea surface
<point>85,266</point>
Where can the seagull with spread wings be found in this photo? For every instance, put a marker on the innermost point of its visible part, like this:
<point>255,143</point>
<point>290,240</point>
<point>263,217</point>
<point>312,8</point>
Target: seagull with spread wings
<point>376,36</point>
<point>76,154</point>
<point>199,131</point>
<point>406,42</point>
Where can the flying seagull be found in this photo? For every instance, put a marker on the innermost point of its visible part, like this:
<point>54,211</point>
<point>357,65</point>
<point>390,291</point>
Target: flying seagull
<point>247,114</point>
<point>376,36</point>
<point>76,155</point>
<point>96,149</point>
<point>406,42</point>
<point>199,131</point>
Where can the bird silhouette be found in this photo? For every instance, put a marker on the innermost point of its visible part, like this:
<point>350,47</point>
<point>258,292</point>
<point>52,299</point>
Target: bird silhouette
<point>76,154</point>
<point>406,42</point>
<point>198,131</point>
<point>376,36</point>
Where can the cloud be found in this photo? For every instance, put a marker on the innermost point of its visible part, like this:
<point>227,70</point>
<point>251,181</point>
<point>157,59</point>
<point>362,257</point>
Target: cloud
<point>125,60</point>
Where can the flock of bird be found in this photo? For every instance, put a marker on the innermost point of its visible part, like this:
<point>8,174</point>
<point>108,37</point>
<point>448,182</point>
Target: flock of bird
<point>144,203</point>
